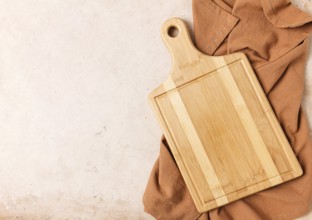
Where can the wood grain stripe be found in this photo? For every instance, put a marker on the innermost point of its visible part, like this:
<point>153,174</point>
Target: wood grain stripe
<point>194,140</point>
<point>193,170</point>
<point>279,133</point>
<point>249,125</point>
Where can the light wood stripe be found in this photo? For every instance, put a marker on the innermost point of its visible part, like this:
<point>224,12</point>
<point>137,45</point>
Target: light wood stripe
<point>193,170</point>
<point>288,152</point>
<point>199,151</point>
<point>249,125</point>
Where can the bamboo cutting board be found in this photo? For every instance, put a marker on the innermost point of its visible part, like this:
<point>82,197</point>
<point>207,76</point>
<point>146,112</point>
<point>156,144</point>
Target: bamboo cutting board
<point>219,125</point>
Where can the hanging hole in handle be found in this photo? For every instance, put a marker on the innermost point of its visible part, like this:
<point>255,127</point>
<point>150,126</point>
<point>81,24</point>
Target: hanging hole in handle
<point>173,31</point>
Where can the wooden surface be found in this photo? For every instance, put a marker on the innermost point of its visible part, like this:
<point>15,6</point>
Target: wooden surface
<point>219,125</point>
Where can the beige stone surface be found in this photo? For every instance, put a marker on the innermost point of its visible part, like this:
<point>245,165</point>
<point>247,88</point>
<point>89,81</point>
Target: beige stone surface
<point>77,136</point>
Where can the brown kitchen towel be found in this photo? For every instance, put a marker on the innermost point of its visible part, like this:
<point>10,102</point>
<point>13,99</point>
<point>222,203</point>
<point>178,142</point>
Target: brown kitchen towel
<point>273,34</point>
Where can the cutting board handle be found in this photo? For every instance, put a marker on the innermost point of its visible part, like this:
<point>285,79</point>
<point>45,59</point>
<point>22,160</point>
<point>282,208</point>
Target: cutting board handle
<point>177,38</point>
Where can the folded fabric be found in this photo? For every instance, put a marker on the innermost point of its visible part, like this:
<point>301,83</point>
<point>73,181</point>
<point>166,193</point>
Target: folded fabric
<point>274,36</point>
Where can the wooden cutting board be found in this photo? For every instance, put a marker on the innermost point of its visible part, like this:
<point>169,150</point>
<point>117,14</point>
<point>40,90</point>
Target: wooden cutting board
<point>219,125</point>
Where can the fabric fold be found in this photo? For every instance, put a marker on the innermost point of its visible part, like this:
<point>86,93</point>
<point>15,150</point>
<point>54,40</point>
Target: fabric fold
<point>211,30</point>
<point>279,13</point>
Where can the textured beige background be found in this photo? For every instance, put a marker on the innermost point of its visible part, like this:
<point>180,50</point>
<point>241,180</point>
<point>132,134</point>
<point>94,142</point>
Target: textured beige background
<point>77,136</point>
